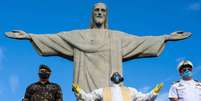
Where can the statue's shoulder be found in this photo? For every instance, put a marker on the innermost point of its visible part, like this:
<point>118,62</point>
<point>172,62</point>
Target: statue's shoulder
<point>75,30</point>
<point>72,32</point>
<point>94,30</point>
<point>117,31</point>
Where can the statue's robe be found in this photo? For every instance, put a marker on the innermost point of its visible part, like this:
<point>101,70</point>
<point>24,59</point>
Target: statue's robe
<point>97,53</point>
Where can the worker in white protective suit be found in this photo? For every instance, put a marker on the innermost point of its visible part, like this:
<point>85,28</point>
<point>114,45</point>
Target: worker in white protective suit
<point>116,92</point>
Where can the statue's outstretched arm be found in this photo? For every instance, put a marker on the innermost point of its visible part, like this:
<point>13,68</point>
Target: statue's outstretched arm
<point>45,44</point>
<point>179,35</point>
<point>18,34</point>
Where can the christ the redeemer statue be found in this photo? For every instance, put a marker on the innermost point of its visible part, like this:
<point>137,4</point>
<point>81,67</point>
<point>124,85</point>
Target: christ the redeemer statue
<point>97,52</point>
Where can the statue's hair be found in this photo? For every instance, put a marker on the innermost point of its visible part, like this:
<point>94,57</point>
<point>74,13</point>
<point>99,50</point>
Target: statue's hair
<point>92,25</point>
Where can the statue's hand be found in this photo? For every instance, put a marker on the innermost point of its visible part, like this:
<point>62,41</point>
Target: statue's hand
<point>17,34</point>
<point>178,36</point>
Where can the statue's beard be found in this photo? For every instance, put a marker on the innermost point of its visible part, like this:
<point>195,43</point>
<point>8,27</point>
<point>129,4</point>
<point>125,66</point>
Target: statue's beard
<point>98,22</point>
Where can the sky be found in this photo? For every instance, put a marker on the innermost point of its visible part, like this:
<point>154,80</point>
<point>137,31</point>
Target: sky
<point>19,61</point>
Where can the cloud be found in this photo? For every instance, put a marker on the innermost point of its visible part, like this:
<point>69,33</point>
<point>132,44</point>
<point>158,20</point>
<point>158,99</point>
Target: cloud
<point>162,97</point>
<point>195,6</point>
<point>14,83</point>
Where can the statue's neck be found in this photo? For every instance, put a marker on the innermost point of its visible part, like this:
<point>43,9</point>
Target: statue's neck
<point>99,26</point>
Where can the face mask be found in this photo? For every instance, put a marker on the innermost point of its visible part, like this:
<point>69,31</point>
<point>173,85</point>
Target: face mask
<point>116,78</point>
<point>44,75</point>
<point>186,74</point>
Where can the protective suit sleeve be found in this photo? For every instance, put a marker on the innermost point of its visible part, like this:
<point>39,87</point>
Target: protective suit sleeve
<point>138,96</point>
<point>96,94</point>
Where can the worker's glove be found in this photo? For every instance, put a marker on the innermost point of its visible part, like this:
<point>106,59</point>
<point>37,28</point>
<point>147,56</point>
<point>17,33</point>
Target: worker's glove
<point>157,88</point>
<point>76,88</point>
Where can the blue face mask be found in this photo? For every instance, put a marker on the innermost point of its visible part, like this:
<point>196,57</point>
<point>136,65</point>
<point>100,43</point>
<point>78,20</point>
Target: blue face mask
<point>187,74</point>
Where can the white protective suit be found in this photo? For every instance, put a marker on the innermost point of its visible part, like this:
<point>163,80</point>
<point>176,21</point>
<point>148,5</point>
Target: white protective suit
<point>116,93</point>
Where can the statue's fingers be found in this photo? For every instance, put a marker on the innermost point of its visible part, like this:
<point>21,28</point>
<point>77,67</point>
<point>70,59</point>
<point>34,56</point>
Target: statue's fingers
<point>7,34</point>
<point>187,34</point>
<point>17,31</point>
<point>10,34</point>
<point>180,32</point>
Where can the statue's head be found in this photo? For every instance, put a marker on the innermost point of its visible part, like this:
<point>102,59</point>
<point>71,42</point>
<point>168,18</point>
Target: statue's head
<point>99,16</point>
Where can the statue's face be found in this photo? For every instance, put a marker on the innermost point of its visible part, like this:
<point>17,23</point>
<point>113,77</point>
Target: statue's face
<point>99,13</point>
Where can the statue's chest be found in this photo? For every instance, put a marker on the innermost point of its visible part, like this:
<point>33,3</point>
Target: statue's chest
<point>97,37</point>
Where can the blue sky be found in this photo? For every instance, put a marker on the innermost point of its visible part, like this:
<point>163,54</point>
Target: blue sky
<point>19,61</point>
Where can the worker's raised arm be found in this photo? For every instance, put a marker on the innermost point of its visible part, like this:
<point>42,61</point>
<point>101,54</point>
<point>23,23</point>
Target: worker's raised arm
<point>82,95</point>
<point>138,96</point>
